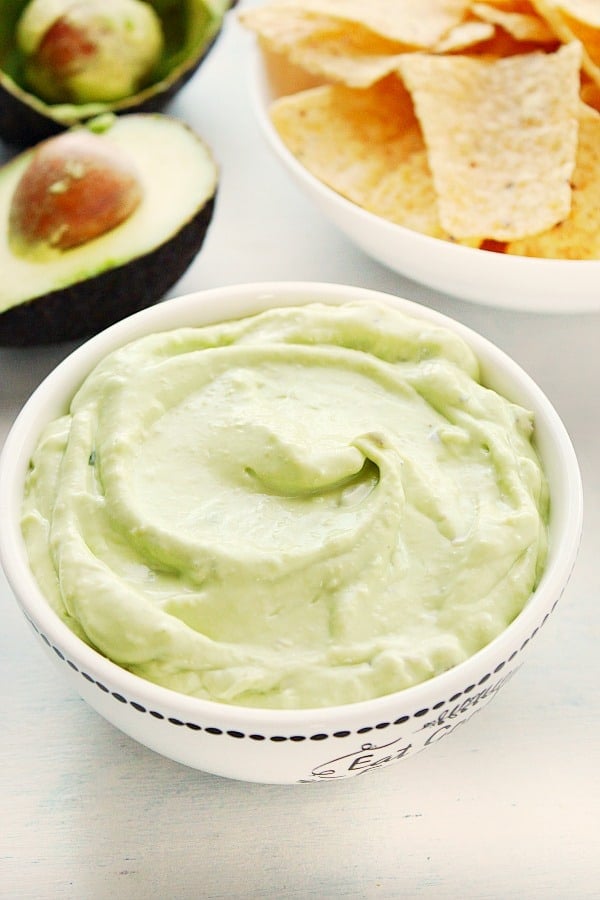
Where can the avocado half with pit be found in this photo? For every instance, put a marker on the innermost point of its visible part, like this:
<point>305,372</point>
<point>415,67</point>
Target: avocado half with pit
<point>189,30</point>
<point>68,278</point>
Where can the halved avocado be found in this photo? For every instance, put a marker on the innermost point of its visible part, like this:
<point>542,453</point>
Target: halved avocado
<point>190,29</point>
<point>71,294</point>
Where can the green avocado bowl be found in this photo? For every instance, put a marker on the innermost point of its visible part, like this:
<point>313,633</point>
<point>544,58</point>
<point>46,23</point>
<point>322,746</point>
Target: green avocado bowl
<point>218,529</point>
<point>188,30</point>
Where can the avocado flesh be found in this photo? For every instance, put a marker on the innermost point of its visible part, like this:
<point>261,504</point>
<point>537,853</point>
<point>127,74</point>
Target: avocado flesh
<point>74,293</point>
<point>191,28</point>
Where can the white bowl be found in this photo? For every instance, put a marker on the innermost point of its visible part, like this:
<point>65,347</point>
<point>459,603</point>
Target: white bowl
<point>480,276</point>
<point>285,746</point>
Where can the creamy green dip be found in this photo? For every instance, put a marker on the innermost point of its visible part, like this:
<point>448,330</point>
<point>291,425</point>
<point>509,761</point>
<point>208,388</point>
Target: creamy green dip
<point>311,506</point>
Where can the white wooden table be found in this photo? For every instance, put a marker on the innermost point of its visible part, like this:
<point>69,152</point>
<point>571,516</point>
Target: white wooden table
<point>508,807</point>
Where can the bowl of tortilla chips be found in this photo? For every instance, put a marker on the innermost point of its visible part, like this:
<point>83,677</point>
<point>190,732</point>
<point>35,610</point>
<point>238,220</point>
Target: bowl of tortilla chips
<point>456,142</point>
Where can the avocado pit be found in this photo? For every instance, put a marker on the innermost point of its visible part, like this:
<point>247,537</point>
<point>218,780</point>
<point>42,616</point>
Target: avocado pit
<point>76,188</point>
<point>83,52</point>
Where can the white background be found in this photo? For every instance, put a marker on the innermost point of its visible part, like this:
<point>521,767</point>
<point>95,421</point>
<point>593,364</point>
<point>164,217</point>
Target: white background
<point>508,806</point>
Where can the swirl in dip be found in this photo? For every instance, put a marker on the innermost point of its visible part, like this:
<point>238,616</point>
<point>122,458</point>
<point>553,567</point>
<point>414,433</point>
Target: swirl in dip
<point>308,507</point>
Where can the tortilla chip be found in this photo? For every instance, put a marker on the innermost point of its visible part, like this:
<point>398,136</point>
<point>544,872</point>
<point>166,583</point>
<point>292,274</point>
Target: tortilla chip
<point>501,138</point>
<point>586,12</point>
<point>583,19</point>
<point>341,52</point>
<point>367,146</point>
<point>578,237</point>
<point>503,44</point>
<point>282,27</point>
<point>590,94</point>
<point>418,23</point>
<point>522,26</point>
<point>347,58</point>
<point>467,34</point>
<point>565,19</point>
<point>514,6</point>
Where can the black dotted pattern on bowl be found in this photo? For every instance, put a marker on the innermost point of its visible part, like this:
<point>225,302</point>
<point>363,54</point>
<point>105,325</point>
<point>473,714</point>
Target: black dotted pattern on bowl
<point>280,738</point>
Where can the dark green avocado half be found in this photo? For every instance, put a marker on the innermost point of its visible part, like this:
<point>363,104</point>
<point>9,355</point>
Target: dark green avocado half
<point>190,28</point>
<point>78,292</point>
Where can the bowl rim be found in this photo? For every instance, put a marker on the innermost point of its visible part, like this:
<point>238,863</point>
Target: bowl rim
<point>566,274</point>
<point>230,302</point>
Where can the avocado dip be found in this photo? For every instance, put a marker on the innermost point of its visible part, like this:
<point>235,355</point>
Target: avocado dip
<point>312,506</point>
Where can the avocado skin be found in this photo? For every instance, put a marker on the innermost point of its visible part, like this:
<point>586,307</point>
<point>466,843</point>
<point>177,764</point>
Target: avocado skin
<point>86,307</point>
<point>22,125</point>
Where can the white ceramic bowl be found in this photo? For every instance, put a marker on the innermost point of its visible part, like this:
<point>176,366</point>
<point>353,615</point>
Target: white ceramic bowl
<point>286,746</point>
<point>493,279</point>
